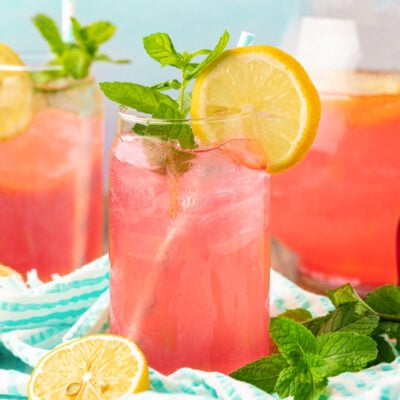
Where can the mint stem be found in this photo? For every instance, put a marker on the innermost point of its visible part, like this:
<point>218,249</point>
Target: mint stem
<point>388,317</point>
<point>182,94</point>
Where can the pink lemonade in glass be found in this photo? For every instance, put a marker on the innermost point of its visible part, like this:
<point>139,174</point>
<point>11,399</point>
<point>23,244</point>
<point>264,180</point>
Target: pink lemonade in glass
<point>50,189</point>
<point>189,253</point>
<point>339,209</point>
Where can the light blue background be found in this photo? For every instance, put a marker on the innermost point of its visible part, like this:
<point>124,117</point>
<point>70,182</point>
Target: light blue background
<point>192,24</point>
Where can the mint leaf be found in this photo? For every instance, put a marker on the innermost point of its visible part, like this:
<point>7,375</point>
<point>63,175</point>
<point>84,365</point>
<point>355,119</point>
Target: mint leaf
<point>173,130</point>
<point>262,373</point>
<point>163,157</point>
<point>180,131</point>
<point>386,350</point>
<point>77,62</point>
<point>48,28</point>
<point>218,49</point>
<point>343,294</point>
<point>297,314</point>
<point>314,325</point>
<point>77,32</point>
<point>90,37</point>
<point>353,317</point>
<point>98,33</point>
<point>76,57</point>
<point>139,97</point>
<point>385,300</point>
<point>391,329</point>
<point>167,85</point>
<point>292,339</point>
<point>346,351</point>
<point>316,365</point>
<point>159,47</point>
<point>299,382</point>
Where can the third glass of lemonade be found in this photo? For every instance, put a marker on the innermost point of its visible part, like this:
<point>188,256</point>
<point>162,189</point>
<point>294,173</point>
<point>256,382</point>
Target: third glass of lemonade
<point>344,197</point>
<point>51,152</point>
<point>339,209</point>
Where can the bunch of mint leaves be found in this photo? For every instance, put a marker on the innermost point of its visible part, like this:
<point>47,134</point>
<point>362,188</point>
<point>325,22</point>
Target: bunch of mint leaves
<point>151,100</point>
<point>358,333</point>
<point>77,56</point>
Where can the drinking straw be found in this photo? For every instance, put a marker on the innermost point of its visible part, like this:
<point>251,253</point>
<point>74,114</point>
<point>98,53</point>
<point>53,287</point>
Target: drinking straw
<point>245,39</point>
<point>68,10</point>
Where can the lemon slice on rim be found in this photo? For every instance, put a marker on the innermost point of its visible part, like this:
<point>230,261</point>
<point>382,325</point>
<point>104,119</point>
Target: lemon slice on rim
<point>93,367</point>
<point>16,92</point>
<point>273,90</point>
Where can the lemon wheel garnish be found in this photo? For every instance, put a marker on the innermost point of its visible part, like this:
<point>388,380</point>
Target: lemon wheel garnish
<point>16,92</point>
<point>93,367</point>
<point>270,87</point>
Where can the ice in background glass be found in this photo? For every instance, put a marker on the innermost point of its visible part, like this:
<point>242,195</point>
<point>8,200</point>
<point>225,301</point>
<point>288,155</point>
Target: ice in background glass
<point>51,211</point>
<point>339,209</point>
<point>189,249</point>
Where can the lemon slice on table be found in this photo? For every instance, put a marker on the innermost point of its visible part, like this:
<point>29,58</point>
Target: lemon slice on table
<point>268,84</point>
<point>16,92</point>
<point>93,367</point>
<point>7,271</point>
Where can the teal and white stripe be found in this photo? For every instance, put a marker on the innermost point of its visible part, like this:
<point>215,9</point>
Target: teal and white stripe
<point>37,317</point>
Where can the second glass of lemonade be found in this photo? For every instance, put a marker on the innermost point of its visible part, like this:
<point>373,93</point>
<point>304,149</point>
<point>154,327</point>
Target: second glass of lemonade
<point>339,209</point>
<point>189,247</point>
<point>51,152</point>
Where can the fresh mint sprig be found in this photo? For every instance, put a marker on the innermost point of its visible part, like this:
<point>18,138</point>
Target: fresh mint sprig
<point>78,56</point>
<point>151,100</point>
<point>358,333</point>
<point>159,46</point>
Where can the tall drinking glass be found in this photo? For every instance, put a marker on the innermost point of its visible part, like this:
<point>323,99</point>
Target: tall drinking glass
<point>189,247</point>
<point>51,197</point>
<point>339,209</point>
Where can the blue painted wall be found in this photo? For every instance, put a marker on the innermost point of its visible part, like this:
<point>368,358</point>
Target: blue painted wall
<point>192,24</point>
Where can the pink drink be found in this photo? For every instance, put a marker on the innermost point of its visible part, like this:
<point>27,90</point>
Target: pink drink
<point>189,257</point>
<point>339,209</point>
<point>50,216</point>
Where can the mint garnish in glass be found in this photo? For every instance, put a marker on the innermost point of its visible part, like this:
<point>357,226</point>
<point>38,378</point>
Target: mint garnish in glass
<point>151,100</point>
<point>76,57</point>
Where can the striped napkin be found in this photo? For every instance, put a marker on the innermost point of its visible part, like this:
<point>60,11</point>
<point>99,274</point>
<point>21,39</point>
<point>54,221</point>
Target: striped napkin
<point>35,317</point>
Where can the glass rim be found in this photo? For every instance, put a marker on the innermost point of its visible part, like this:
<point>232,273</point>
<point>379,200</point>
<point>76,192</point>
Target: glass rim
<point>33,62</point>
<point>129,114</point>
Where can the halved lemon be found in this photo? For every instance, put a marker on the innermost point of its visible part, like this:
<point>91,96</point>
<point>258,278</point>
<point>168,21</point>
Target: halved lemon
<point>93,367</point>
<point>16,92</point>
<point>279,103</point>
<point>7,271</point>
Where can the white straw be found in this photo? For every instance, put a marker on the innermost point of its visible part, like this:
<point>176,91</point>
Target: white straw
<point>245,39</point>
<point>68,10</point>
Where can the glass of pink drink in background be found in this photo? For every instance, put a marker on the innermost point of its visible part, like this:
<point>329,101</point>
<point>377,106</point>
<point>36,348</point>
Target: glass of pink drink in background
<point>51,200</point>
<point>189,250</point>
<point>339,209</point>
